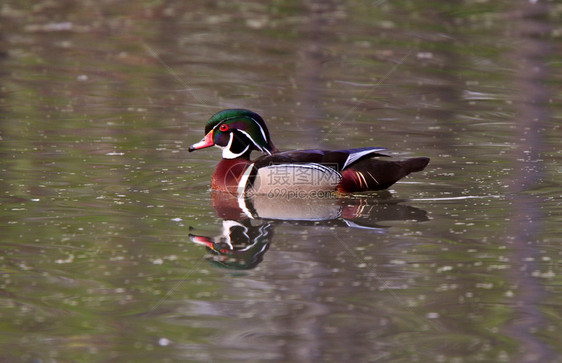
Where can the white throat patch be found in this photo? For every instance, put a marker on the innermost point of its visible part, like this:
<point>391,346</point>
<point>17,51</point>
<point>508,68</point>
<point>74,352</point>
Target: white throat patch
<point>227,153</point>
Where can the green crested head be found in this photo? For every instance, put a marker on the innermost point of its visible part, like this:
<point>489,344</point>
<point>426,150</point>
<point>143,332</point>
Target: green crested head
<point>238,132</point>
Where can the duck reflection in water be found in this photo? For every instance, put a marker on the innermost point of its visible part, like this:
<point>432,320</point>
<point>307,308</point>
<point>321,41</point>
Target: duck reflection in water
<point>248,222</point>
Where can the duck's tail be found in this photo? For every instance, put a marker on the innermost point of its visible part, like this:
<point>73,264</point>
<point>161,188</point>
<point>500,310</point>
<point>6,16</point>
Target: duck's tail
<point>377,174</point>
<point>414,164</point>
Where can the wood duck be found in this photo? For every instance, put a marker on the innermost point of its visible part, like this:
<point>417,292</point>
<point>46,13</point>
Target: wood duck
<point>238,132</point>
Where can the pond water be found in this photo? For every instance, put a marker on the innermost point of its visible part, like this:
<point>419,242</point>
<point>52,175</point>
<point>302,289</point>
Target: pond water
<point>113,247</point>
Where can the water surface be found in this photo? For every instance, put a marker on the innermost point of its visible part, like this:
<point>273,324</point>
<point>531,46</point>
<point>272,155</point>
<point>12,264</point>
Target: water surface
<point>113,248</point>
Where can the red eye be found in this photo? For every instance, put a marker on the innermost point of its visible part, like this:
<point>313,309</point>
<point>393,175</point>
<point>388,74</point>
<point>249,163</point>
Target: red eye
<point>223,127</point>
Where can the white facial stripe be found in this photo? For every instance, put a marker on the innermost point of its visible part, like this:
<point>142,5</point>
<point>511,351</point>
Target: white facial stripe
<point>245,133</point>
<point>217,125</point>
<point>255,121</point>
<point>261,129</point>
<point>252,140</point>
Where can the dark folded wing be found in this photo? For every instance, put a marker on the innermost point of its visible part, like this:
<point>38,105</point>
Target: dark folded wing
<point>335,159</point>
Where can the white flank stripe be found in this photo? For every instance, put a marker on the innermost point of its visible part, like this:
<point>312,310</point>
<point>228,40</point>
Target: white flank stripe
<point>244,179</point>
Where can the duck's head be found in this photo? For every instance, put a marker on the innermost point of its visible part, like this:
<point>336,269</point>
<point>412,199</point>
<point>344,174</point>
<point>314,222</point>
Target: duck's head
<point>237,132</point>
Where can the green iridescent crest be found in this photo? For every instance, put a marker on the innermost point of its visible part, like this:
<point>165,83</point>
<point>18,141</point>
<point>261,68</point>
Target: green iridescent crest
<point>247,128</point>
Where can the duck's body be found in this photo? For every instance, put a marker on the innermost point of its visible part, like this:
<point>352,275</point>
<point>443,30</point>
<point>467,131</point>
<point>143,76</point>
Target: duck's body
<point>288,173</point>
